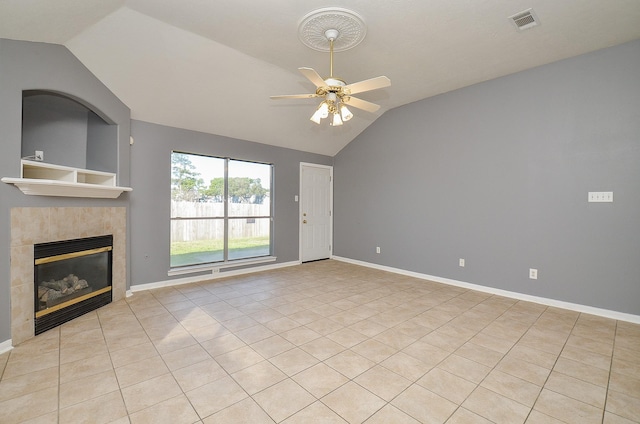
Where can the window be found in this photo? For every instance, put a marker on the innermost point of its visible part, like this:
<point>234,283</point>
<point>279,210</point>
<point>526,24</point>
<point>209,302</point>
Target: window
<point>220,209</point>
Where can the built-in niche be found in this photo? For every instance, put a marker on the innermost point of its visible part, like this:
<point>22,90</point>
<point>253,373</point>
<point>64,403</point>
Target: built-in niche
<point>68,132</point>
<point>67,148</point>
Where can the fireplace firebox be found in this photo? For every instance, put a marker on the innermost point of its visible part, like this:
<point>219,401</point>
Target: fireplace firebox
<point>71,278</point>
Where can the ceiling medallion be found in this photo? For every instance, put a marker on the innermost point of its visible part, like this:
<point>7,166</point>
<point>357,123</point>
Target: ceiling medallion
<point>314,25</point>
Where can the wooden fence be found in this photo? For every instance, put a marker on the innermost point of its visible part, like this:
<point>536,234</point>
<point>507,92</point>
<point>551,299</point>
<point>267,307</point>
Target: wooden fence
<point>206,229</point>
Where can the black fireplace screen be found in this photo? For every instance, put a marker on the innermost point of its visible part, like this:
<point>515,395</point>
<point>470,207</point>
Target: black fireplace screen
<point>71,278</point>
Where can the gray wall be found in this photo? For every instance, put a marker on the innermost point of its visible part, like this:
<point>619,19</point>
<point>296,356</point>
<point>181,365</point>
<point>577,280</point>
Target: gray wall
<point>57,126</point>
<point>39,66</point>
<point>498,174</point>
<point>151,181</point>
<point>101,153</point>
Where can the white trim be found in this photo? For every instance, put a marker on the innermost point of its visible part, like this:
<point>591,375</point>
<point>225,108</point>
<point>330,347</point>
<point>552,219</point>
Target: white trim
<point>129,293</point>
<point>214,268</point>
<point>208,277</point>
<point>330,168</point>
<point>5,346</point>
<point>606,313</point>
<point>46,179</point>
<point>35,187</point>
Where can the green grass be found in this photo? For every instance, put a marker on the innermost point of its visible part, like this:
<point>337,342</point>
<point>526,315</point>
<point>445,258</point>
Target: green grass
<point>205,251</point>
<point>187,247</point>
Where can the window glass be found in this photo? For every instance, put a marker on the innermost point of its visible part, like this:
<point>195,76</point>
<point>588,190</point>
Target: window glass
<point>196,241</point>
<point>249,189</point>
<point>205,228</point>
<point>249,237</point>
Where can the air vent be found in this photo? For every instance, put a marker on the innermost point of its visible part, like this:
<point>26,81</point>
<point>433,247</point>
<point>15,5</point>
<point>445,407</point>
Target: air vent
<point>525,20</point>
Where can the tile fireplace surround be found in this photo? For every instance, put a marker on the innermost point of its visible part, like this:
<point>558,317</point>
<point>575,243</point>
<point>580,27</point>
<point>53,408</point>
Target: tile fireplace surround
<point>31,226</point>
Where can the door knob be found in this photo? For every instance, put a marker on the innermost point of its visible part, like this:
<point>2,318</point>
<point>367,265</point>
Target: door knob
<point>304,222</point>
<point>304,214</point>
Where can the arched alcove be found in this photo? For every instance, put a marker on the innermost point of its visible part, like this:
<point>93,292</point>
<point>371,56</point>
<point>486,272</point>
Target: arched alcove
<point>68,131</point>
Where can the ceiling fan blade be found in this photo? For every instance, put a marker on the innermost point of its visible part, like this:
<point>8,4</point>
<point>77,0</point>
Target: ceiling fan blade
<point>362,104</point>
<point>368,85</point>
<point>294,96</point>
<point>313,76</point>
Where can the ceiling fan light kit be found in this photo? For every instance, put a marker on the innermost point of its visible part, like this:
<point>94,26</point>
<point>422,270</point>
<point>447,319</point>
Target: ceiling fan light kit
<point>335,29</point>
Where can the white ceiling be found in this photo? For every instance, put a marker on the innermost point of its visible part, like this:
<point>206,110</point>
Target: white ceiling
<point>211,65</point>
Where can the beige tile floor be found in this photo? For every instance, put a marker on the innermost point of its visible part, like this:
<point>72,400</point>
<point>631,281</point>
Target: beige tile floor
<point>325,342</point>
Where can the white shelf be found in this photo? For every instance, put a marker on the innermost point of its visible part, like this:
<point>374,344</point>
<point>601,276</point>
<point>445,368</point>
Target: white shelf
<point>46,179</point>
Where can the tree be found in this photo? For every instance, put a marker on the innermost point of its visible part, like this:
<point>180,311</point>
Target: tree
<point>241,190</point>
<point>246,190</point>
<point>185,181</point>
<point>258,192</point>
<point>215,191</point>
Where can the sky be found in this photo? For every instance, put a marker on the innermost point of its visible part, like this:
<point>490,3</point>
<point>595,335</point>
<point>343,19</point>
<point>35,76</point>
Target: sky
<point>210,168</point>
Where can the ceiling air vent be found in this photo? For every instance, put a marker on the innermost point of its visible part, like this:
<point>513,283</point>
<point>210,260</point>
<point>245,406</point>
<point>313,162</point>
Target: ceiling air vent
<point>525,20</point>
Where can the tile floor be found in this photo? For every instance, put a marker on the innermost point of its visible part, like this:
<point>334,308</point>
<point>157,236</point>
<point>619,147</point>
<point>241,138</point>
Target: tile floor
<point>325,342</point>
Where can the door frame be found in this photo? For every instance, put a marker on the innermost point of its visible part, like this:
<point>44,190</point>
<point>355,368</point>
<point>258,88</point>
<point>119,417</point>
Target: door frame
<point>330,168</point>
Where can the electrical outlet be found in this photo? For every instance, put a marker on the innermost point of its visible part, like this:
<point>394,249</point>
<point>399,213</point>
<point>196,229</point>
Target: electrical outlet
<point>378,249</point>
<point>39,156</point>
<point>533,273</point>
<point>461,262</point>
<point>600,197</point>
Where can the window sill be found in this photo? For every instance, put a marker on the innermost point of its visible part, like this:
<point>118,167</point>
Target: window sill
<point>212,268</point>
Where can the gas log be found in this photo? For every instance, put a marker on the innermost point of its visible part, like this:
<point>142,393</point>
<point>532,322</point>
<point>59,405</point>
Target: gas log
<point>54,289</point>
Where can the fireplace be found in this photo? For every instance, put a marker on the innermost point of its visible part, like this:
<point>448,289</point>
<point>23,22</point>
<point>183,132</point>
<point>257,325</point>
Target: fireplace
<point>71,278</point>
<point>31,226</point>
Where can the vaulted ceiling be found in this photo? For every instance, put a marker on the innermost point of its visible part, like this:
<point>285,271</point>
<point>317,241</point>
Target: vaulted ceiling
<point>211,65</point>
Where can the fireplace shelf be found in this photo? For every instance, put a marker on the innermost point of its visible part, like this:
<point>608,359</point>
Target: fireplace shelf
<point>46,179</point>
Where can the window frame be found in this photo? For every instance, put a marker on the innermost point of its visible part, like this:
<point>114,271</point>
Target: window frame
<point>226,218</point>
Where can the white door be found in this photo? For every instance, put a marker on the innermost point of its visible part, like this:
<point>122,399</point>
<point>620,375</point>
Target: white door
<point>315,212</point>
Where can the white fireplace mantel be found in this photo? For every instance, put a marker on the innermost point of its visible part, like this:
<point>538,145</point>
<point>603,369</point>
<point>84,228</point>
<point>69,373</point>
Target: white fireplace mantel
<point>46,179</point>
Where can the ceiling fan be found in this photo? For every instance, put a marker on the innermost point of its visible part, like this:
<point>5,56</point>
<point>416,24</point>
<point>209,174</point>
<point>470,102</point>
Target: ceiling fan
<point>336,92</point>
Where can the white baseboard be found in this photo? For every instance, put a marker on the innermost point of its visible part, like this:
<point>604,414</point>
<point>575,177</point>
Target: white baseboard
<point>207,277</point>
<point>5,346</point>
<point>606,313</point>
